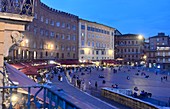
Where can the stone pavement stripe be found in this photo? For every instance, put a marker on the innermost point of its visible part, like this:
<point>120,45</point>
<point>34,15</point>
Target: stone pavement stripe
<point>93,96</point>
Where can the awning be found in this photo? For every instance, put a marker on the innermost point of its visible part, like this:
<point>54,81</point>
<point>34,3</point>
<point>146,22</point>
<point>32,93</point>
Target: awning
<point>69,62</point>
<point>110,61</point>
<point>18,66</point>
<point>29,71</point>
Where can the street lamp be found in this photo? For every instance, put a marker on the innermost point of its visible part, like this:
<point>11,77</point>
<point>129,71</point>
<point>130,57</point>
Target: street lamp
<point>140,37</point>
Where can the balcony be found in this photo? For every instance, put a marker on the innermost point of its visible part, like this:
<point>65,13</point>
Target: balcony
<point>21,7</point>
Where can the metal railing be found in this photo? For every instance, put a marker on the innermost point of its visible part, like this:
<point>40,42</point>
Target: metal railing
<point>22,7</point>
<point>50,99</point>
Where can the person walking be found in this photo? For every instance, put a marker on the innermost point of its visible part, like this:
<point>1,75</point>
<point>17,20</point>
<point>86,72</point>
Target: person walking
<point>89,84</point>
<point>96,84</point>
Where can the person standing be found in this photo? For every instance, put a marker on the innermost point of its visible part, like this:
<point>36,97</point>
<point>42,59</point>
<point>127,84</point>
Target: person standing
<point>89,84</point>
<point>96,84</point>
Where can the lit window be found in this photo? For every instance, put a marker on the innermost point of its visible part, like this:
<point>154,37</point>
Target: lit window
<point>35,54</point>
<point>157,39</point>
<point>163,59</point>
<point>82,34</point>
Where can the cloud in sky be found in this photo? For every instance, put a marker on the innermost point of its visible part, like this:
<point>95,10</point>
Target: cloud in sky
<point>147,17</point>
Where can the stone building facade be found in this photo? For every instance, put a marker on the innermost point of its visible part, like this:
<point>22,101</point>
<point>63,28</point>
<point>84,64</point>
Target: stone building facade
<point>53,34</point>
<point>158,53</point>
<point>129,48</point>
<point>96,41</point>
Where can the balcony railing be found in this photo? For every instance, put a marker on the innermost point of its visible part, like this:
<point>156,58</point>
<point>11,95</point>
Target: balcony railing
<point>21,7</point>
<point>50,100</point>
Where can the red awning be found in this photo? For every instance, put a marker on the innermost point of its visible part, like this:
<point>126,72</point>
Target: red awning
<point>44,66</point>
<point>18,66</point>
<point>29,71</point>
<point>69,62</point>
<point>110,61</point>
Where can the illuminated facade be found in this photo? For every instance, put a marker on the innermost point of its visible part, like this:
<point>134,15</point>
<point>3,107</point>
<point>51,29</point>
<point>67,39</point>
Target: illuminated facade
<point>130,48</point>
<point>158,53</point>
<point>53,34</point>
<point>96,41</point>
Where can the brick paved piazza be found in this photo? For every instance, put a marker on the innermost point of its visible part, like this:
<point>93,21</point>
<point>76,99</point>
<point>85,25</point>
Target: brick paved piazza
<point>159,89</point>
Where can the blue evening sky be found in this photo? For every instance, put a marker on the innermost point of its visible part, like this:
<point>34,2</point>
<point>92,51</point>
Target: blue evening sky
<point>146,17</point>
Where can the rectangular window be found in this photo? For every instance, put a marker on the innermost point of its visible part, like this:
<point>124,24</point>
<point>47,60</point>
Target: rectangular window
<point>63,25</point>
<point>57,36</point>
<point>88,28</point>
<point>82,34</point>
<point>82,27</point>
<point>68,26</point>
<point>88,43</point>
<point>52,34</point>
<point>42,18</point>
<point>88,35</point>
<point>93,44</point>
<point>82,43</point>
<point>62,36</point>
<point>41,32</point>
<point>47,33</point>
<point>68,37</point>
<point>35,30</point>
<point>35,16</point>
<point>73,27</point>
<point>73,48</point>
<point>68,48</point>
<point>57,24</point>
<point>81,51</point>
<point>62,47</point>
<point>46,21</point>
<point>74,37</point>
<point>97,52</point>
<point>52,23</point>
